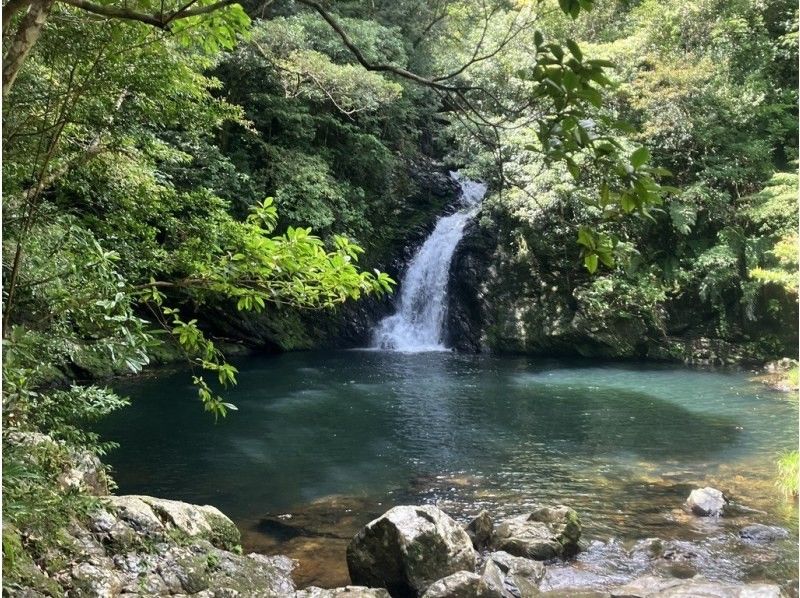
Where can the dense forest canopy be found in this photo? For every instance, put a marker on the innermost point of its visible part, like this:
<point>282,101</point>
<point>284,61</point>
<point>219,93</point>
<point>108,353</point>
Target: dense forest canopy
<point>163,162</point>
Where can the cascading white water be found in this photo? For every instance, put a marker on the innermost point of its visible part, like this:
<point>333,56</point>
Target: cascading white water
<point>417,325</point>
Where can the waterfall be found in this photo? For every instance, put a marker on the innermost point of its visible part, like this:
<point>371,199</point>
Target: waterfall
<point>417,324</point>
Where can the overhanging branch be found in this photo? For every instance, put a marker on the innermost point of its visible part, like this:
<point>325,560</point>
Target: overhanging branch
<point>359,56</point>
<point>160,21</point>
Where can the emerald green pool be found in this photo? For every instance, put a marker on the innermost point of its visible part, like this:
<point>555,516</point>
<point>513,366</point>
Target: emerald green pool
<point>622,444</point>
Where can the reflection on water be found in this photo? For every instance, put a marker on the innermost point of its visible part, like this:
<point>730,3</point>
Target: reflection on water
<point>334,439</point>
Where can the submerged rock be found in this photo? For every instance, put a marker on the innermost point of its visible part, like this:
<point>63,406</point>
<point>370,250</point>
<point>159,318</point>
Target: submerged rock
<point>464,584</point>
<point>316,534</point>
<point>762,534</point>
<point>345,592</point>
<point>546,533</point>
<point>655,587</point>
<point>706,502</point>
<point>480,530</point>
<point>407,549</point>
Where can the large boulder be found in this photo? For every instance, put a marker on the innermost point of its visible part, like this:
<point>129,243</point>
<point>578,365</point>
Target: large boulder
<point>130,520</point>
<point>706,502</point>
<point>145,546</point>
<point>408,548</point>
<point>546,533</point>
<point>697,587</point>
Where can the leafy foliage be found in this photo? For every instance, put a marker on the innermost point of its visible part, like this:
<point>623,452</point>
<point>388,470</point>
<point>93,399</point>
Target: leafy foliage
<point>711,91</point>
<point>112,236</point>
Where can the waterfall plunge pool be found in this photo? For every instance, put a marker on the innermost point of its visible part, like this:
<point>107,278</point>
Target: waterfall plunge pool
<point>324,442</point>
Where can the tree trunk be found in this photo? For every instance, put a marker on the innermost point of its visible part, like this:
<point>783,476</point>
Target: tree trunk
<point>28,31</point>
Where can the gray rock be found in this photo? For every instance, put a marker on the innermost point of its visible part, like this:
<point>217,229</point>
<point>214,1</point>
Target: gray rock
<point>546,533</point>
<point>516,577</point>
<point>202,521</point>
<point>697,587</point>
<point>198,568</point>
<point>131,518</point>
<point>94,578</point>
<point>480,530</point>
<point>137,514</point>
<point>407,549</point>
<point>706,502</point>
<point>345,592</point>
<point>464,584</point>
<point>762,534</point>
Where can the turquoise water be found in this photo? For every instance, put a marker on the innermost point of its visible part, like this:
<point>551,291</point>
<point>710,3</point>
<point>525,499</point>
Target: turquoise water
<point>622,444</point>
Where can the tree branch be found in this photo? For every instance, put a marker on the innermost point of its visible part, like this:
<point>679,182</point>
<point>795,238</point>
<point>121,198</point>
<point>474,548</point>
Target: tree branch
<point>160,21</point>
<point>359,56</point>
<point>24,39</point>
<point>11,8</point>
<point>116,12</point>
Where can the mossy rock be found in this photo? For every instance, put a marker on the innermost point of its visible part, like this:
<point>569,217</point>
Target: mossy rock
<point>20,572</point>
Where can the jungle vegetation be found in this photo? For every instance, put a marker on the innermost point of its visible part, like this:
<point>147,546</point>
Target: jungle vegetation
<point>164,159</point>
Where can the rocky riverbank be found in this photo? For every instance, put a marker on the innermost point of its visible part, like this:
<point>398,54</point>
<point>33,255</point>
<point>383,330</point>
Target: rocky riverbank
<point>144,546</point>
<point>128,546</point>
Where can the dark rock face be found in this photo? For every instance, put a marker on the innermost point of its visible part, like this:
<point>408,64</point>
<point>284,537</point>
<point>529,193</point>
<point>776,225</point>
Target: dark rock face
<point>504,303</point>
<point>480,530</point>
<point>407,549</point>
<point>547,533</point>
<point>517,285</point>
<point>706,502</point>
<point>465,318</point>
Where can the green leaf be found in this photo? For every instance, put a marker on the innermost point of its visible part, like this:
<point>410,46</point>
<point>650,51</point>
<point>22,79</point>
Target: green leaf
<point>592,96</point>
<point>590,261</point>
<point>640,156</point>
<point>586,237</point>
<point>573,169</point>
<point>606,258</point>
<point>574,49</point>
<point>628,203</point>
